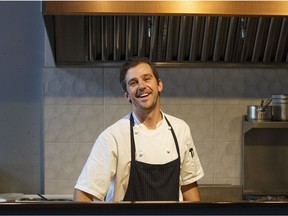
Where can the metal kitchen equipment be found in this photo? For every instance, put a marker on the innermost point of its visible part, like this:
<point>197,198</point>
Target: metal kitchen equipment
<point>280,107</point>
<point>256,113</point>
<point>44,198</point>
<point>260,113</point>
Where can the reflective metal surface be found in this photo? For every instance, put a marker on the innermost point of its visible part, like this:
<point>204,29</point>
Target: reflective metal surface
<point>182,7</point>
<point>234,32</point>
<point>189,38</point>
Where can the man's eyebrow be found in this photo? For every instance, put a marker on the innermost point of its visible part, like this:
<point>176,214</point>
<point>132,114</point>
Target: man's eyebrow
<point>132,79</point>
<point>143,75</point>
<point>148,74</point>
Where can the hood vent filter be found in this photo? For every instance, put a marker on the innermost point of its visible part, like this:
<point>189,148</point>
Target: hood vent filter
<point>185,39</point>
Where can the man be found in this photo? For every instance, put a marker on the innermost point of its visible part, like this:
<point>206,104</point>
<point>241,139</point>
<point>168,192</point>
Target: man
<point>145,156</point>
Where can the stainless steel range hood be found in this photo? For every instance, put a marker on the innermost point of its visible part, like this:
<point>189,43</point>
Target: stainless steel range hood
<point>169,32</point>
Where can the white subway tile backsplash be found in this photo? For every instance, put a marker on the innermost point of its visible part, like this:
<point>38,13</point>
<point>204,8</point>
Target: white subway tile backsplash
<point>227,181</point>
<point>248,86</point>
<point>228,122</point>
<point>198,117</point>
<point>187,86</point>
<point>65,187</point>
<point>205,152</point>
<point>227,160</point>
<point>73,86</point>
<point>113,93</point>
<point>72,123</point>
<point>64,161</point>
<point>115,112</point>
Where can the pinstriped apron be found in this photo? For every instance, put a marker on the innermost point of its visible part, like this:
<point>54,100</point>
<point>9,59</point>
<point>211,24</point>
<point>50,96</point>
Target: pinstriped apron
<point>153,182</point>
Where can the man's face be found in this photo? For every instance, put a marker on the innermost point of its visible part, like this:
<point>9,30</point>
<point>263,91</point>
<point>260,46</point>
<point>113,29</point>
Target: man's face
<point>142,87</point>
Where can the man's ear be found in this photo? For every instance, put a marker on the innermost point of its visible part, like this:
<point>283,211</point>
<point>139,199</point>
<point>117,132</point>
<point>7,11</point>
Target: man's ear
<point>127,96</point>
<point>160,86</point>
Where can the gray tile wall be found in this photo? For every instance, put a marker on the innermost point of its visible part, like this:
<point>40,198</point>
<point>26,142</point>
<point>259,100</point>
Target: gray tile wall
<point>80,102</point>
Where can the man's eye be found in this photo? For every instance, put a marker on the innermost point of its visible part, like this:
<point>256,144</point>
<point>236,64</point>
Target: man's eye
<point>147,78</point>
<point>132,83</point>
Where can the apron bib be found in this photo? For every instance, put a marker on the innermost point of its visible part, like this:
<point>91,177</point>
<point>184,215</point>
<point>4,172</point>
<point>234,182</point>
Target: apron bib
<point>153,182</point>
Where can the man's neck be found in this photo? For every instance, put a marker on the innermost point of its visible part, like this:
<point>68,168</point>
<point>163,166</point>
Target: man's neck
<point>149,119</point>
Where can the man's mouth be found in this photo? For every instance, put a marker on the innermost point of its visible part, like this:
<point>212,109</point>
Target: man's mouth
<point>143,95</point>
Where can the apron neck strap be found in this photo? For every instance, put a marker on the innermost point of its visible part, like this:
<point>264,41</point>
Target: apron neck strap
<point>132,137</point>
<point>174,136</point>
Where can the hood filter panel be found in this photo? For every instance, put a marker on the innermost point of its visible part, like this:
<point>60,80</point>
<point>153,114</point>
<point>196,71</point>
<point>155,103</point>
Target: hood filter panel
<point>186,39</point>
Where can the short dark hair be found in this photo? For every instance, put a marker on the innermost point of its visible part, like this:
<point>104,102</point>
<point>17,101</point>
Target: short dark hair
<point>133,62</point>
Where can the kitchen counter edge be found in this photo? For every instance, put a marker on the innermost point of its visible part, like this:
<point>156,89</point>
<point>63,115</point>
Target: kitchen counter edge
<point>144,208</point>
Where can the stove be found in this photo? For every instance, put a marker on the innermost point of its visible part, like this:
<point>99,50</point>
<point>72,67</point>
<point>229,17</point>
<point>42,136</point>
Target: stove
<point>266,198</point>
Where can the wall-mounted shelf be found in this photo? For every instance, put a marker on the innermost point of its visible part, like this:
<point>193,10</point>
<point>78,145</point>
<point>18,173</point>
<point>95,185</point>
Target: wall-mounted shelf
<point>248,125</point>
<point>265,157</point>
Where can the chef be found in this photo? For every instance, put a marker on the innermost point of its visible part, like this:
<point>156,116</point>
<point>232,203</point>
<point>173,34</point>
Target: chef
<point>147,155</point>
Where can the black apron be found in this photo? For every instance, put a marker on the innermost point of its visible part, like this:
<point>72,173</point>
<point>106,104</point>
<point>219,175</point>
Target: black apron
<point>153,182</point>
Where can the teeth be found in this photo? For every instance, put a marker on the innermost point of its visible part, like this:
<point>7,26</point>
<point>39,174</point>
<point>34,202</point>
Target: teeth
<point>143,95</point>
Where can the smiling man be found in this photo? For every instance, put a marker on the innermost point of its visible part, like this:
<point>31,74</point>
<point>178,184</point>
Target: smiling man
<point>145,156</point>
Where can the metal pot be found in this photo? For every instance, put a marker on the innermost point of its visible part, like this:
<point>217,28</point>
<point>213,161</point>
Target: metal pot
<point>259,113</point>
<point>280,107</point>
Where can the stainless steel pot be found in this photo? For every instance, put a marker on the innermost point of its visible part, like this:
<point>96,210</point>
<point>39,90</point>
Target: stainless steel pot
<point>258,113</point>
<point>280,107</point>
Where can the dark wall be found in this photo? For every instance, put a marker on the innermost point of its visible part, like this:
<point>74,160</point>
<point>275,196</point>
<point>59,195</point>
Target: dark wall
<point>21,62</point>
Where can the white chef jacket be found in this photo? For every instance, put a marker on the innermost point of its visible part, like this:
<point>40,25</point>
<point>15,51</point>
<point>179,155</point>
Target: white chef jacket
<point>106,172</point>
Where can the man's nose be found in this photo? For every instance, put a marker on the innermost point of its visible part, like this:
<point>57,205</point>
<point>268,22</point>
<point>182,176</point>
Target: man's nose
<point>141,85</point>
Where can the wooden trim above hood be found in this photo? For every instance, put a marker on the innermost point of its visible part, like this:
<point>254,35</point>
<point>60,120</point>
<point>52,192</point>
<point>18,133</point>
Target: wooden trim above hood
<point>161,7</point>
